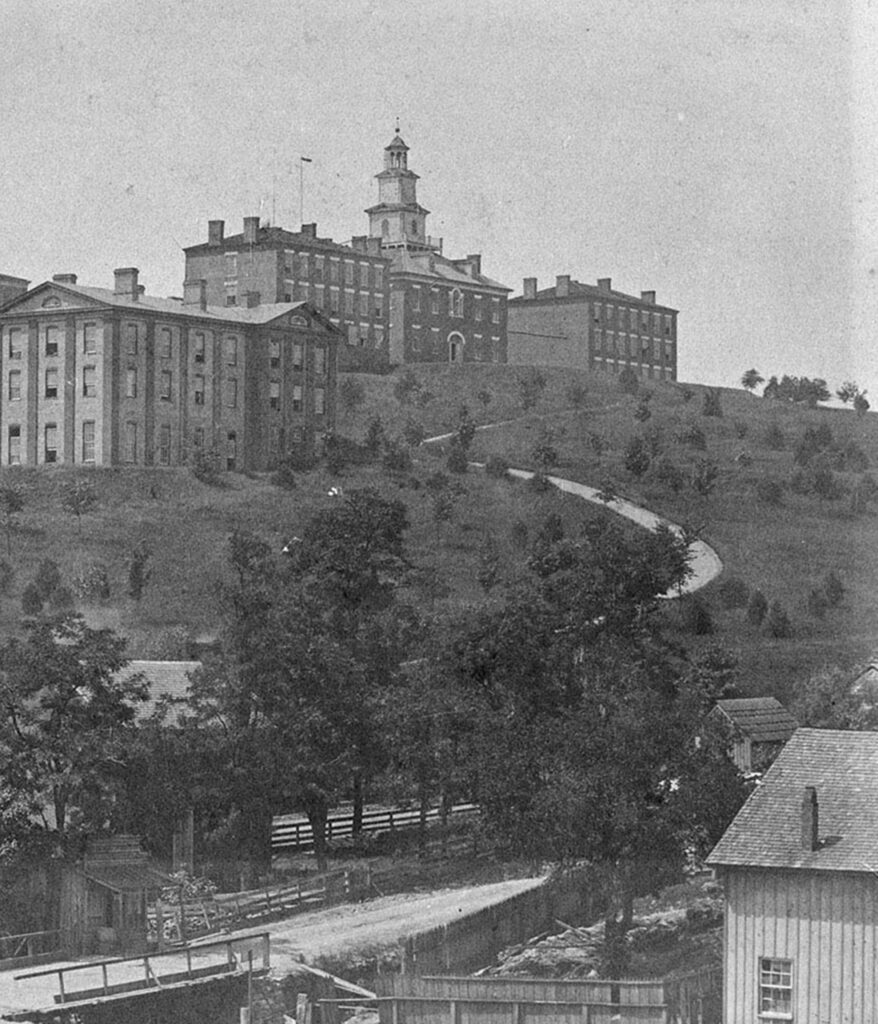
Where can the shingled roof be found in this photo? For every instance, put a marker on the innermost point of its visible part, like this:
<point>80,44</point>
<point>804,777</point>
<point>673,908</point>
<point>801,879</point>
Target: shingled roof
<point>762,719</point>
<point>843,769</point>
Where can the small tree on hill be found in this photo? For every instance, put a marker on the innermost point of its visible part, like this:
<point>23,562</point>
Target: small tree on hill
<point>139,572</point>
<point>861,404</point>
<point>576,395</point>
<point>375,435</point>
<point>47,578</point>
<point>712,403</point>
<point>774,437</point>
<point>757,608</point>
<point>485,397</point>
<point>847,392</point>
<point>78,498</point>
<point>777,622</point>
<point>11,503</point>
<point>545,451</point>
<point>637,458</point>
<point>832,587</point>
<point>629,382</point>
<point>752,379</point>
<point>705,476</point>
<point>352,394</point>
<point>530,388</point>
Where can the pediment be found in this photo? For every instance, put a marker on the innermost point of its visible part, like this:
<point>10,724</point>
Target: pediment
<point>49,298</point>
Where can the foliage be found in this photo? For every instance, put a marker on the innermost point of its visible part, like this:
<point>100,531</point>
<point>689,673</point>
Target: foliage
<point>690,433</point>
<point>31,600</point>
<point>774,437</point>
<point>351,393</point>
<point>712,403</point>
<point>826,701</point>
<point>576,395</point>
<point>637,457</point>
<point>7,576</point>
<point>696,616</point>
<point>376,437</point>
<point>643,412</point>
<point>11,504</point>
<point>752,379</point>
<point>733,592</point>
<point>284,476</point>
<point>798,390</point>
<point>628,381</point>
<point>61,599</point>
<point>545,450</point>
<point>530,388</point>
<point>833,588</point>
<point>407,387</point>
<point>813,441</point>
<point>770,490</point>
<point>206,467</point>
<point>413,433</point>
<point>485,397</point>
<point>47,578</point>
<point>456,462</point>
<point>488,573</point>
<point>777,622</point>
<point>496,466</point>
<point>396,458</point>
<point>742,428</point>
<point>93,583</point>
<point>847,392</point>
<point>465,430</point>
<point>78,498</point>
<point>817,603</point>
<point>667,472</point>
<point>757,608</point>
<point>861,404</point>
<point>824,482</point>
<point>704,476</point>
<point>139,573</point>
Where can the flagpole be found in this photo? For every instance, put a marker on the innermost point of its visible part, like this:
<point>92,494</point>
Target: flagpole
<point>302,161</point>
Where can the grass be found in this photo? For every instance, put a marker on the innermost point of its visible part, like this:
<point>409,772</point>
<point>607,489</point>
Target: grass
<point>784,550</point>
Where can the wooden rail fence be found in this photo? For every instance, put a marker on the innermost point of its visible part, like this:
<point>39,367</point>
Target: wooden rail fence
<point>28,947</point>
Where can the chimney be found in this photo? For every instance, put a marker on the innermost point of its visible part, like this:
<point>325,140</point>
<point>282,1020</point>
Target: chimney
<point>251,227</point>
<point>530,287</point>
<point>475,262</point>
<point>648,297</point>
<point>126,283</point>
<point>64,278</point>
<point>309,230</point>
<point>195,293</point>
<point>252,299</point>
<point>604,283</point>
<point>216,230</point>
<point>810,819</point>
<point>358,242</point>
<point>562,286</point>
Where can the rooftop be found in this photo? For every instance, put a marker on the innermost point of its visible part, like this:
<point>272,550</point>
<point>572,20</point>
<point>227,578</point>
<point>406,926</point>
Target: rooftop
<point>168,680</point>
<point>427,264</point>
<point>767,832</point>
<point>577,290</point>
<point>762,719</point>
<point>277,238</point>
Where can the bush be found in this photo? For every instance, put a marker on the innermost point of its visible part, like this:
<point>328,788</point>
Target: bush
<point>31,599</point>
<point>833,589</point>
<point>576,395</point>
<point>757,608</point>
<point>519,534</point>
<point>301,458</point>
<point>47,578</point>
<point>138,573</point>
<point>413,433</point>
<point>774,437</point>
<point>712,404</point>
<point>704,476</point>
<point>530,388</point>
<point>597,443</point>
<point>643,412</point>
<point>824,482</point>
<point>629,382</point>
<point>485,397</point>
<point>206,467</point>
<point>769,490</point>
<point>852,458</point>
<point>741,429</point>
<point>733,592</point>
<point>395,458</point>
<point>666,472</point>
<point>817,603</point>
<point>457,461</point>
<point>812,442</point>
<point>544,452</point>
<point>540,483</point>
<point>375,437</point>
<point>7,577</point>
<point>284,476</point>
<point>777,622</point>
<point>497,466</point>
<point>696,617</point>
<point>637,458</point>
<point>61,599</point>
<point>93,584</point>
<point>693,435</point>
<point>407,387</point>
<point>687,394</point>
<point>351,393</point>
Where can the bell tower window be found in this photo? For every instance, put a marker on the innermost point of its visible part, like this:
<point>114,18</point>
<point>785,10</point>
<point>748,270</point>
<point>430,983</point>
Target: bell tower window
<point>385,228</point>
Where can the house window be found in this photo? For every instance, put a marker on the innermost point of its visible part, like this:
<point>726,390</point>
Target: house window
<point>14,445</point>
<point>15,335</point>
<point>379,335</point>
<point>300,292</point>
<point>198,388</point>
<point>379,278</point>
<point>434,302</point>
<point>51,446</point>
<point>353,335</point>
<point>274,353</point>
<point>231,345</point>
<point>88,441</point>
<point>89,339</point>
<point>166,348</point>
<point>89,382</point>
<point>349,303</point>
<point>52,340</point>
<point>364,275</point>
<point>333,301</point>
<point>495,311</point>
<point>610,312</point>
<point>596,313</point>
<point>416,298</point>
<point>364,303</point>
<point>333,271</point>
<point>656,323</point>
<point>319,360</point>
<point>297,398</point>
<point>130,454</point>
<point>319,401</point>
<point>232,394</point>
<point>318,268</point>
<point>385,228</point>
<point>319,296</point>
<point>231,298</point>
<point>775,986</point>
<point>348,273</point>
<point>52,382</point>
<point>632,319</point>
<point>477,307</point>
<point>231,450</point>
<point>274,394</point>
<point>131,339</point>
<point>297,356</point>
<point>131,383</point>
<point>198,438</point>
<point>165,386</point>
<point>165,444</point>
<point>199,346</point>
<point>455,307</point>
<point>667,325</point>
<point>231,264</point>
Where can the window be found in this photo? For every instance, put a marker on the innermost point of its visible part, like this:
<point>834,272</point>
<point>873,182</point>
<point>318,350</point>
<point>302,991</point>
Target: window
<point>379,335</point>
<point>89,339</point>
<point>274,394</point>
<point>477,307</point>
<point>364,275</point>
<point>596,313</point>
<point>319,360</point>
<point>15,340</point>
<point>333,271</point>
<point>319,401</point>
<point>364,303</point>
<point>89,382</point>
<point>165,385</point>
<point>297,355</point>
<point>198,388</point>
<point>668,321</point>
<point>775,986</point>
<point>416,298</point>
<point>131,383</point>
<point>52,382</point>
<point>353,334</point>
<point>348,273</point>
<point>434,302</point>
<point>52,333</point>
<point>300,292</point>
<point>231,450</point>
<point>165,444</point>
<point>349,303</point>
<point>231,346</point>
<point>130,453</point>
<point>304,265</point>
<point>274,353</point>
<point>610,311</point>
<point>656,323</point>
<point>88,441</point>
<point>231,265</point>
<point>231,299</point>
<point>318,268</point>
<point>297,398</point>
<point>455,306</point>
<point>199,346</point>
<point>414,227</point>
<point>385,228</point>
<point>198,438</point>
<point>131,339</point>
<point>632,319</point>
<point>14,445</point>
<point>51,446</point>
<point>495,311</point>
<point>232,394</point>
<point>166,346</point>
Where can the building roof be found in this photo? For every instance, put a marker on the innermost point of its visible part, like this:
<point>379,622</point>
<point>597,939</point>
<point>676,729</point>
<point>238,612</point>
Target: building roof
<point>577,290</point>
<point>397,143</point>
<point>762,719</point>
<point>122,878</point>
<point>767,832</point>
<point>277,238</point>
<point>428,264</point>
<point>168,680</point>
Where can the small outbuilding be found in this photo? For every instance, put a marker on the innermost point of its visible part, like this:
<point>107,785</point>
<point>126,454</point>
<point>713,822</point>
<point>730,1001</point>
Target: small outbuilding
<point>759,727</point>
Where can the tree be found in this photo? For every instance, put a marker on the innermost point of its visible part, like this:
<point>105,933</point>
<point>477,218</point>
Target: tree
<point>576,395</point>
<point>637,458</point>
<point>861,404</point>
<point>752,379</point>
<point>485,397</point>
<point>777,622</point>
<point>704,476</point>
<point>712,403</point>
<point>68,720</point>
<point>375,435</point>
<point>545,450</point>
<point>47,578</point>
<point>757,608</point>
<point>629,382</point>
<point>352,393</point>
<point>77,498</point>
<point>31,600</point>
<point>530,388</point>
<point>847,392</point>
<point>139,573</point>
<point>11,503</point>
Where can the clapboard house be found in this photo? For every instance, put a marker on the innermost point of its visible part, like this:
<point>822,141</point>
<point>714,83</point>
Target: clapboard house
<point>758,727</point>
<point>799,867</point>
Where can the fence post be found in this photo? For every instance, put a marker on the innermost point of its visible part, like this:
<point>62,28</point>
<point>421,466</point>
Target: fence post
<point>160,924</point>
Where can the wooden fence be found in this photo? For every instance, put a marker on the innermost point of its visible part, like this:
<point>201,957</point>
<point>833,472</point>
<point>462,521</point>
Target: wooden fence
<point>292,832</point>
<point>28,948</point>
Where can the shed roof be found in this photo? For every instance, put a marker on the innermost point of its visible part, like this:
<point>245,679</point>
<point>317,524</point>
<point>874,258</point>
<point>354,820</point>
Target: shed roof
<point>167,680</point>
<point>125,877</point>
<point>762,719</point>
<point>843,768</point>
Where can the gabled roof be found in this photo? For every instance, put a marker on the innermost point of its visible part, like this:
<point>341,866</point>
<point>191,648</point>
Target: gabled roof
<point>166,679</point>
<point>843,768</point>
<point>397,143</point>
<point>762,719</point>
<point>429,264</point>
<point>577,290</point>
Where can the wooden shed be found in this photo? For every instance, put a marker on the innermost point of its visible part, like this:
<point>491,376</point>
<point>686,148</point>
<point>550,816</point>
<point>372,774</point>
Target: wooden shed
<point>759,727</point>
<point>798,866</point>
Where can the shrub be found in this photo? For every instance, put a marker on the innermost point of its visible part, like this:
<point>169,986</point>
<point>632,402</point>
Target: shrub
<point>284,476</point>
<point>801,482</point>
<point>93,584</point>
<point>833,589</point>
<point>413,433</point>
<point>813,441</point>
<point>396,458</point>
<point>687,394</point>
<point>301,458</point>
<point>817,603</point>
<point>31,600</point>
<point>696,617</point>
<point>519,534</point>
<point>852,458</point>
<point>456,462</point>
<point>643,412</point>
<point>351,393</point>
<point>668,473</point>
<point>485,397</point>
<point>712,403</point>
<point>47,578</point>
<point>530,388</point>
<point>544,452</point>
<point>488,573</point>
<point>375,436</point>
<point>733,592</point>
<point>597,443</point>
<point>465,430</point>
<point>629,382</point>
<point>693,435</point>
<point>704,476</point>
<point>552,530</point>
<point>576,395</point>
<point>769,490</point>
<point>138,573</point>
<point>7,577</point>
<point>757,608</point>
<point>774,437</point>
<point>206,467</point>
<point>777,622</point>
<point>637,458</point>
<point>824,482</point>
<point>741,429</point>
<point>406,387</point>
<point>61,599</point>
<point>497,466</point>
<point>540,483</point>
<point>335,459</point>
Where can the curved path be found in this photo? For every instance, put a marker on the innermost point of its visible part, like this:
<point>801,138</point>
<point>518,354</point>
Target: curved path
<point>704,562</point>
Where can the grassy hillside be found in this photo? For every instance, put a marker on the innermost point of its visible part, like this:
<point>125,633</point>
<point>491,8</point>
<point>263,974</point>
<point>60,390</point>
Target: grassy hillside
<point>186,525</point>
<point>784,543</point>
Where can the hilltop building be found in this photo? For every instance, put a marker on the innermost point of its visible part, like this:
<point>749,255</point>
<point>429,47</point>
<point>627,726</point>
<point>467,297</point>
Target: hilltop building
<point>271,265</point>
<point>100,376</point>
<point>590,327</point>
<point>441,310</point>
<point>11,288</point>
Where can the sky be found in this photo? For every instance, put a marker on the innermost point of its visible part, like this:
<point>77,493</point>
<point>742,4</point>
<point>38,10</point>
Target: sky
<point>720,152</point>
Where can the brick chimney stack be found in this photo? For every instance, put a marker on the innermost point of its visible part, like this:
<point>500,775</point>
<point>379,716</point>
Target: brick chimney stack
<point>810,820</point>
<point>251,228</point>
<point>648,297</point>
<point>562,286</point>
<point>605,283</point>
<point>530,288</point>
<point>216,230</point>
<point>64,278</point>
<point>195,293</point>
<point>309,230</point>
<point>126,283</point>
<point>252,299</point>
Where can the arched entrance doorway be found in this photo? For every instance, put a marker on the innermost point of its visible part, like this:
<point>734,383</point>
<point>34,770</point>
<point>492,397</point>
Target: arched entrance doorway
<point>456,342</point>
